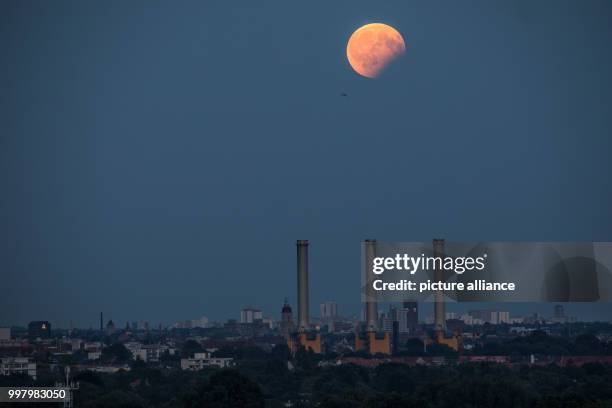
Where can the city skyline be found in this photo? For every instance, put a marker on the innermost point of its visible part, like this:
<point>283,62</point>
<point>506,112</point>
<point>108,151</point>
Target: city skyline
<point>315,204</point>
<point>586,312</point>
<point>151,166</point>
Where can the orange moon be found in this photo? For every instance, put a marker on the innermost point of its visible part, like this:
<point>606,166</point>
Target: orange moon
<point>373,47</point>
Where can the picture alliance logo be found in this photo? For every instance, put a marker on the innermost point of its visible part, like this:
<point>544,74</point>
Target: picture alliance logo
<point>412,264</point>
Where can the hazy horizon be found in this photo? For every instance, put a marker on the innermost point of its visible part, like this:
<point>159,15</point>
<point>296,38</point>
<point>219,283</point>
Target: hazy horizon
<point>584,312</point>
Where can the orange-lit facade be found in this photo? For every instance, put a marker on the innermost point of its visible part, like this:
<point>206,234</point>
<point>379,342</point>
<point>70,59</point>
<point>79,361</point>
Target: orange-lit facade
<point>453,342</point>
<point>373,345</point>
<point>305,340</point>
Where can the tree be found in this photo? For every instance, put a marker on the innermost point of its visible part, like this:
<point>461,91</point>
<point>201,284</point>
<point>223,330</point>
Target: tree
<point>586,344</point>
<point>190,347</point>
<point>305,359</point>
<point>414,347</point>
<point>116,353</point>
<point>227,389</point>
<point>436,349</point>
<point>170,360</point>
<point>120,399</point>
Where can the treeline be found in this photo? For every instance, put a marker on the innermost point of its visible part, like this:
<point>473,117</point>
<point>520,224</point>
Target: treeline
<point>271,382</point>
<point>539,342</point>
<point>278,379</point>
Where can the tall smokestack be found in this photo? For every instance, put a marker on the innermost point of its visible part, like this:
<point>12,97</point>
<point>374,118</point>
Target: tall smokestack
<point>371,306</point>
<point>302,280</point>
<point>101,322</point>
<point>439,314</point>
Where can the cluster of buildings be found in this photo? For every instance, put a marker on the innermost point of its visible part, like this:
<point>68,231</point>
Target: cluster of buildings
<point>200,323</point>
<point>384,333</point>
<point>199,361</point>
<point>22,353</point>
<point>376,333</point>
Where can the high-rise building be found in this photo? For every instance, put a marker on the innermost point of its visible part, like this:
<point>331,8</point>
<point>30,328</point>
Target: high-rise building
<point>249,315</point>
<point>402,319</point>
<point>494,318</point>
<point>486,316</point>
<point>395,337</point>
<point>386,323</point>
<point>412,315</point>
<point>329,309</point>
<point>407,316</point>
<point>329,314</point>
<point>393,313</point>
<point>504,317</point>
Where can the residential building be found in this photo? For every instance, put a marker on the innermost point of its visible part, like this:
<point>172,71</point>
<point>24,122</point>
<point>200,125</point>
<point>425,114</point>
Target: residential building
<point>18,365</point>
<point>203,360</point>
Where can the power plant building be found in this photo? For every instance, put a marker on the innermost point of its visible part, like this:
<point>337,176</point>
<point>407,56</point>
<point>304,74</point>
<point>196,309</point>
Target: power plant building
<point>371,340</point>
<point>440,337</point>
<point>305,336</point>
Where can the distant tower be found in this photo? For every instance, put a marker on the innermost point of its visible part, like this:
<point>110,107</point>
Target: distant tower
<point>101,322</point>
<point>110,328</point>
<point>304,337</point>
<point>453,342</point>
<point>370,340</point>
<point>439,315</point>
<point>371,305</point>
<point>302,278</point>
<point>286,324</point>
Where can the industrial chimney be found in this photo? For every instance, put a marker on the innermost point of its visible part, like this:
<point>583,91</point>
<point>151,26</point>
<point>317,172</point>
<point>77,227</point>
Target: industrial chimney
<point>439,314</point>
<point>371,306</point>
<point>302,279</point>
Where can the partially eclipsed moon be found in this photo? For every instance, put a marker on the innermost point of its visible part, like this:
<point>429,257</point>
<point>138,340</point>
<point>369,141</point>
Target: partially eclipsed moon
<point>372,47</point>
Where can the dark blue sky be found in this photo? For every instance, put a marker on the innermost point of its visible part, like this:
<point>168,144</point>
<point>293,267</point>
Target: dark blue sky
<point>159,159</point>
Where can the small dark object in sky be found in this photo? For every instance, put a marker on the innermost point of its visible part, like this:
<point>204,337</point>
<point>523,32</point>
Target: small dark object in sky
<point>343,94</point>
